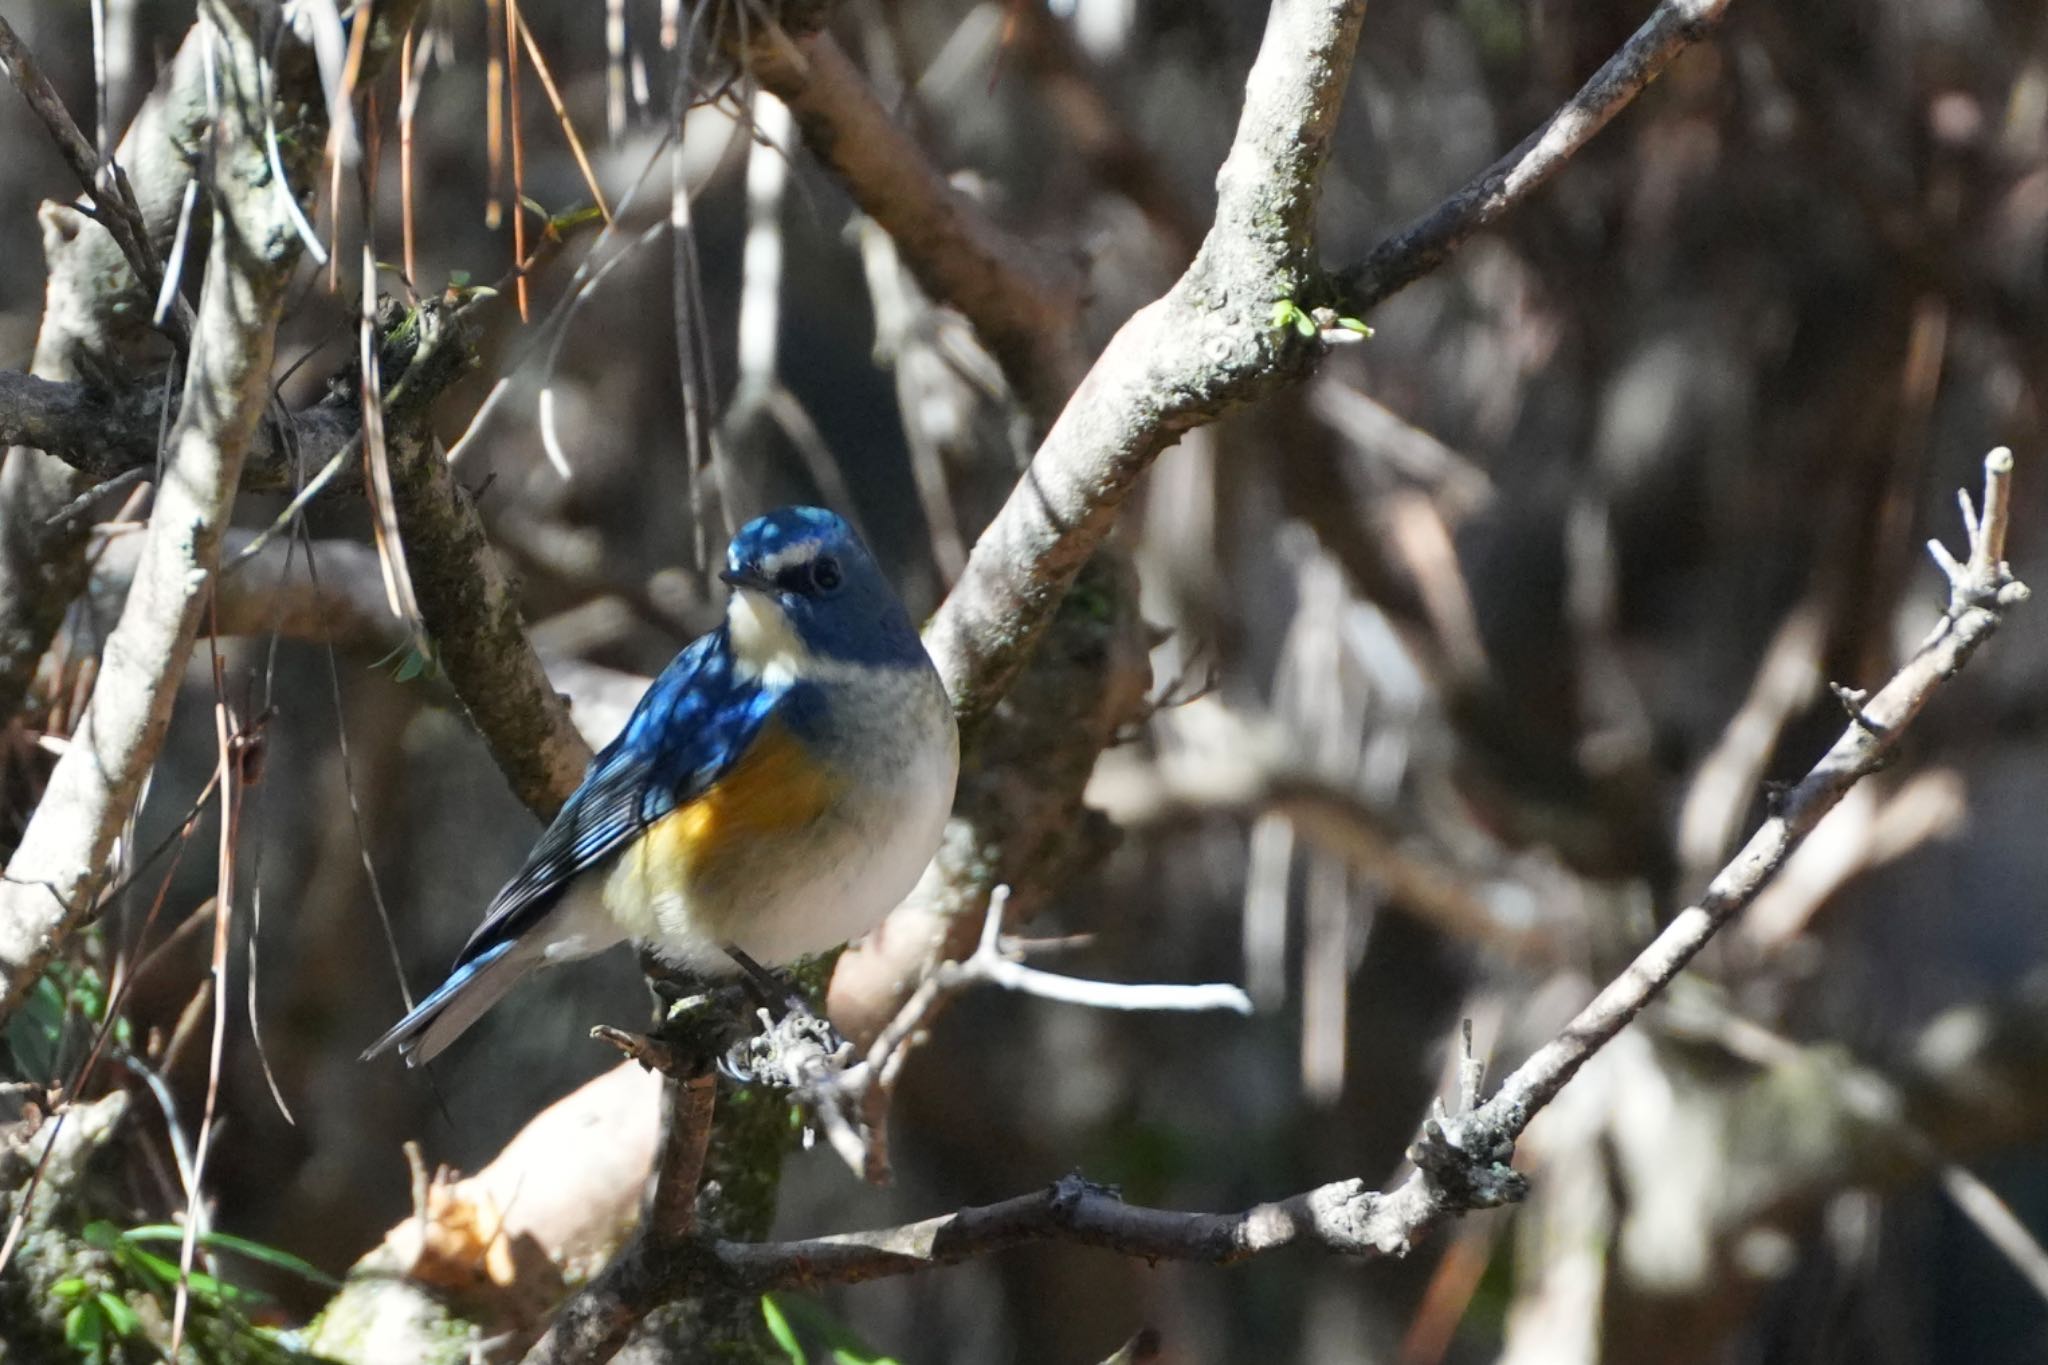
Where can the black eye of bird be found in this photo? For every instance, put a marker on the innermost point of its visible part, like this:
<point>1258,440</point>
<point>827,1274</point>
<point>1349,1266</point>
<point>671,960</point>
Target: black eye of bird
<point>825,574</point>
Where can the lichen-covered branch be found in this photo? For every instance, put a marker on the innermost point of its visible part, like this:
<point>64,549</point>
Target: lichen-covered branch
<point>54,879</point>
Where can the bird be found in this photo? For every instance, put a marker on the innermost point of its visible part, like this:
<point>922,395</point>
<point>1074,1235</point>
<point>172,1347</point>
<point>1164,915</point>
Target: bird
<point>778,789</point>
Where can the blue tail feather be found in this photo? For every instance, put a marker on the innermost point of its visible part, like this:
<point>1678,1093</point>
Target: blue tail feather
<point>470,990</point>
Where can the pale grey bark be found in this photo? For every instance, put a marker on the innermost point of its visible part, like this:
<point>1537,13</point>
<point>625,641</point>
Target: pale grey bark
<point>55,876</point>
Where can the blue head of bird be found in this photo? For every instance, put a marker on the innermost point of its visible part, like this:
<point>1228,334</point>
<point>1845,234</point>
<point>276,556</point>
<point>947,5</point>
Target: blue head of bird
<point>806,591</point>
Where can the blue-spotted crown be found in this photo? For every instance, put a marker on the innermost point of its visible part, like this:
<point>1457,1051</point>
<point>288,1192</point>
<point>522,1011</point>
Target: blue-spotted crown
<point>827,585</point>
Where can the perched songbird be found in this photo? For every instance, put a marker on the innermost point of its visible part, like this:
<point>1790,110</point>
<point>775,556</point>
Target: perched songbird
<point>777,791</point>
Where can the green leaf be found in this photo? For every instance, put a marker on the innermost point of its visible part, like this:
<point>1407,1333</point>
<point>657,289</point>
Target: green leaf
<point>203,1287</point>
<point>1304,324</point>
<point>241,1246</point>
<point>85,1327</point>
<point>458,279</point>
<point>779,1328</point>
<point>847,1348</point>
<point>124,1320</point>
<point>1283,312</point>
<point>1355,325</point>
<point>101,1234</point>
<point>71,1287</point>
<point>574,218</point>
<point>415,658</point>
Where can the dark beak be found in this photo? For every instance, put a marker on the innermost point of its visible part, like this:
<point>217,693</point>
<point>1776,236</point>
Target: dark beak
<point>740,578</point>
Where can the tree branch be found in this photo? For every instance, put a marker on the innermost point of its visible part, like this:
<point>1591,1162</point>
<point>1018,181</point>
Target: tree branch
<point>471,610</point>
<point>1022,308</point>
<point>1428,242</point>
<point>96,311</point>
<point>1981,590</point>
<point>114,205</point>
<point>54,879</point>
<point>596,1322</point>
<point>1209,345</point>
<point>104,434</point>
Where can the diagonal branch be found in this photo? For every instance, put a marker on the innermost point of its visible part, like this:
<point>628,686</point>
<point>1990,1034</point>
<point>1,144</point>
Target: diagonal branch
<point>113,202</point>
<point>1428,242</point>
<point>471,610</point>
<point>1981,590</point>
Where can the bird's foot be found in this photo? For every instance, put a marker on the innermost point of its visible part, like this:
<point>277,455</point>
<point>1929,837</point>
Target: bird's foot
<point>771,990</point>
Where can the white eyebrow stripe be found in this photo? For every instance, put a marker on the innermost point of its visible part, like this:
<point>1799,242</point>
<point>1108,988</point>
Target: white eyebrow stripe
<point>803,552</point>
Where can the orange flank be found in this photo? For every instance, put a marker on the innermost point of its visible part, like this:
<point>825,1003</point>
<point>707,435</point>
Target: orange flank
<point>776,789</point>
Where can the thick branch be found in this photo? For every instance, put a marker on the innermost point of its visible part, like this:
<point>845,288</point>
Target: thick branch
<point>55,876</point>
<point>1428,242</point>
<point>471,611</point>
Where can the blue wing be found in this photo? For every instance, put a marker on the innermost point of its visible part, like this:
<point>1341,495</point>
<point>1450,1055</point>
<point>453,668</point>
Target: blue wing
<point>692,725</point>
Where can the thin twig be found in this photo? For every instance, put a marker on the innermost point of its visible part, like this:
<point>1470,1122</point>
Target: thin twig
<point>1428,242</point>
<point>1979,595</point>
<point>547,84</point>
<point>513,124</point>
<point>837,1094</point>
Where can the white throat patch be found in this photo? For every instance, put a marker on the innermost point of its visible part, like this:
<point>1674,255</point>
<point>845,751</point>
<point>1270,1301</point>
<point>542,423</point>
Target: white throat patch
<point>764,644</point>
